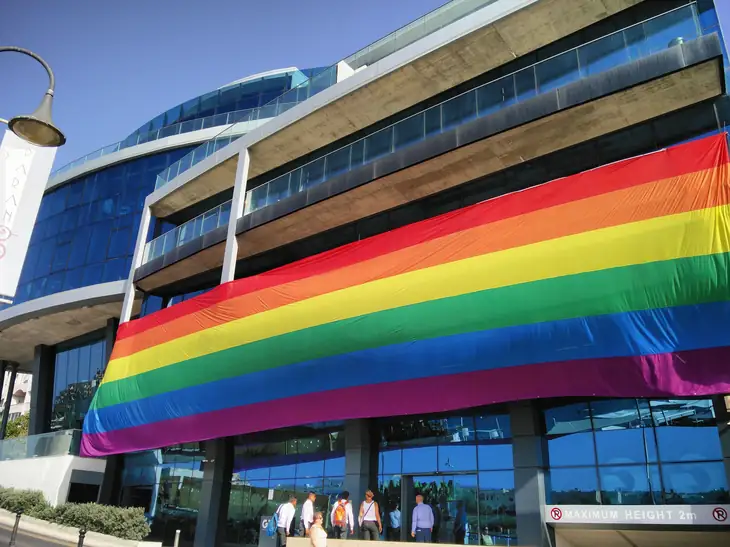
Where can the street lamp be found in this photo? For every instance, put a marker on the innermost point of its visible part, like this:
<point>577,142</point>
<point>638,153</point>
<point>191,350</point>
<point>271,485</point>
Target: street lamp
<point>37,128</point>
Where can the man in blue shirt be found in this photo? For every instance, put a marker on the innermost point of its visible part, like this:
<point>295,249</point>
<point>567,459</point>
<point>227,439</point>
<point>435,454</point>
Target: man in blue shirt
<point>422,521</point>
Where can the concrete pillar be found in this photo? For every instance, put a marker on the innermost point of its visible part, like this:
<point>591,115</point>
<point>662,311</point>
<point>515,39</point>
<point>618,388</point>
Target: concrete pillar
<point>8,399</point>
<point>41,398</point>
<point>214,493</point>
<point>361,461</point>
<point>237,207</point>
<point>529,451</point>
<point>137,259</point>
<point>722,413</point>
<point>3,368</point>
<point>110,489</point>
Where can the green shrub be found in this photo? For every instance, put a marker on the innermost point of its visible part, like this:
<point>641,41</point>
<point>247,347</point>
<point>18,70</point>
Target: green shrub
<point>121,522</point>
<point>28,501</point>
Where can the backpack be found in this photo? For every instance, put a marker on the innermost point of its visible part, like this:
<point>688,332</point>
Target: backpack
<point>341,514</point>
<point>273,523</point>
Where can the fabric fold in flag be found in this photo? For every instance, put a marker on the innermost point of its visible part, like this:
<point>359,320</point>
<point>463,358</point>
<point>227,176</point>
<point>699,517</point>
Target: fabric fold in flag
<point>626,264</point>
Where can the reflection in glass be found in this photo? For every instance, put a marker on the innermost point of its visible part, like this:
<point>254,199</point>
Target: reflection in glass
<point>628,485</point>
<point>573,486</point>
<point>497,516</point>
<point>695,483</point>
<point>570,441</point>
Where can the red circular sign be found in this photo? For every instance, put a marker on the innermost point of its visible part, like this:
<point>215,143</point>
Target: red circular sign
<point>556,513</point>
<point>719,514</point>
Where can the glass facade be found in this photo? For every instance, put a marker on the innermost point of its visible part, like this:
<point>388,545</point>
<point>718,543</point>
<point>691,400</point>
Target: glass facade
<point>635,452</point>
<point>266,474</point>
<point>86,230</point>
<point>463,466</point>
<point>78,372</point>
<point>167,483</point>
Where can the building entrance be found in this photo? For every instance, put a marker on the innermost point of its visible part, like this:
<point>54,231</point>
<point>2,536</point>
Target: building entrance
<point>454,502</point>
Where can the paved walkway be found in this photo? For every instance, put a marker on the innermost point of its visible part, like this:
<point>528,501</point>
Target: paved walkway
<point>24,539</point>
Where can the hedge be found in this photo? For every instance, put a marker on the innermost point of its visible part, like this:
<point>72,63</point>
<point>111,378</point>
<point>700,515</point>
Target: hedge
<point>121,522</point>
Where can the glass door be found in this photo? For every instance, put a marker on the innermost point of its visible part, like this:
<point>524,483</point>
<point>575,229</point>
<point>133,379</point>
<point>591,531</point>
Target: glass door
<point>453,500</point>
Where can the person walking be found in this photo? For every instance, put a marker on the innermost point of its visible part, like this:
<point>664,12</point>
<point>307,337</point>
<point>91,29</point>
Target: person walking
<point>394,529</point>
<point>307,517</point>
<point>422,521</point>
<point>369,518</point>
<point>285,514</point>
<point>341,516</point>
<point>317,533</point>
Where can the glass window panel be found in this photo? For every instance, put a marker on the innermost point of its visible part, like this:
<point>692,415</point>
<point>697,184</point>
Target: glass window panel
<point>669,29</point>
<point>92,274</point>
<point>310,469</point>
<point>525,85</point>
<point>622,435</point>
<point>459,110</point>
<point>120,243</point>
<point>334,466</point>
<point>73,279</point>
<point>493,427</point>
<point>210,221</point>
<point>55,283</point>
<point>557,72</point>
<point>258,197</point>
<point>114,270</point>
<point>224,215</point>
<point>457,457</point>
<point>72,371</point>
<point>312,174</point>
<point>628,485</point>
<point>496,95</point>
<point>338,162</point>
<point>357,154</point>
<point>686,430</point>
<point>409,131</point>
<point>99,242</point>
<point>283,471</point>
<point>695,483</point>
<point>390,461</point>
<point>496,508</point>
<point>495,456</point>
<point>260,473</point>
<point>573,486</point>
<point>278,189</point>
<point>420,460</point>
<point>603,54</point>
<point>378,144</point>
<point>570,441</point>
<point>60,257</point>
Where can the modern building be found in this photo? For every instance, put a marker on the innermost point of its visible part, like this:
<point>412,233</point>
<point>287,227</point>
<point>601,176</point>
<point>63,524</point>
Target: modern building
<point>244,284</point>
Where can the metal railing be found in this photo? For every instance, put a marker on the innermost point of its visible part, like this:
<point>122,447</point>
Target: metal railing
<point>629,44</point>
<point>57,443</point>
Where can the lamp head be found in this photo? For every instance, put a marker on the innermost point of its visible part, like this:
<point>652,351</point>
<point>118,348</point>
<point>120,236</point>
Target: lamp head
<point>37,128</point>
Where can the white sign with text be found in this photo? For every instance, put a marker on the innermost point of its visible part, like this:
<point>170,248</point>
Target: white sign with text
<point>24,172</point>
<point>639,514</point>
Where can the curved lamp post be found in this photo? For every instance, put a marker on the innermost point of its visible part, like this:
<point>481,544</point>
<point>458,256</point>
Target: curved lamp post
<point>37,128</point>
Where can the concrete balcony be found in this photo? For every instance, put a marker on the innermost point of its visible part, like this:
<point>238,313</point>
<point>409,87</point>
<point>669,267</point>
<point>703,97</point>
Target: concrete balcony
<point>593,107</point>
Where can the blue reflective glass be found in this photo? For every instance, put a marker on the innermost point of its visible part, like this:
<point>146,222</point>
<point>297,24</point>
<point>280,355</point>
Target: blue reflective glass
<point>570,440</point>
<point>695,483</point>
<point>54,283</point>
<point>557,72</point>
<point>334,466</point>
<point>409,131</point>
<point>310,469</point>
<point>379,144</point>
<point>496,95</point>
<point>495,456</point>
<point>120,243</point>
<point>312,174</point>
<point>260,473</point>
<point>686,430</point>
<point>457,457</point>
<point>573,486</point>
<point>60,257</point>
<point>459,110</point>
<point>390,461</point>
<point>283,471</point>
<point>629,485</point>
<point>420,460</point>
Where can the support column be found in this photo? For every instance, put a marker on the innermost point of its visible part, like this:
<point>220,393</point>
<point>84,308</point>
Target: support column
<point>8,399</point>
<point>3,368</point>
<point>137,259</point>
<point>529,450</point>
<point>41,398</point>
<point>214,493</point>
<point>361,461</point>
<point>722,414</point>
<point>237,208</point>
<point>110,488</point>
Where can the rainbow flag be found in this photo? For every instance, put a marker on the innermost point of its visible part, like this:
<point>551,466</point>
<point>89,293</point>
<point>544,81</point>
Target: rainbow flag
<point>613,282</point>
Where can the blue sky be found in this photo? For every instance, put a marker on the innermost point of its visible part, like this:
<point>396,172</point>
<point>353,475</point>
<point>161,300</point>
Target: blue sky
<point>121,63</point>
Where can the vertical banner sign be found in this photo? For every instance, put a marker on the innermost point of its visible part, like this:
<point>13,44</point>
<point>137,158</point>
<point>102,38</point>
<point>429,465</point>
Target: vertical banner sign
<point>24,171</point>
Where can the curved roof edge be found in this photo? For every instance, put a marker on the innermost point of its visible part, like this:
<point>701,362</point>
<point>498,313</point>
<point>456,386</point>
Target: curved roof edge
<point>260,75</point>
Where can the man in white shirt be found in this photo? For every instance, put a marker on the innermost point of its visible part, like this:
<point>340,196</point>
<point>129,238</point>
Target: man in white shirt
<point>307,517</point>
<point>341,516</point>
<point>285,514</point>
